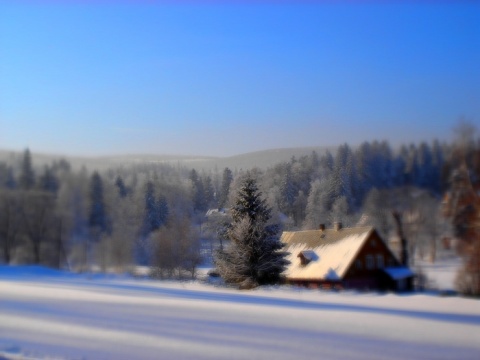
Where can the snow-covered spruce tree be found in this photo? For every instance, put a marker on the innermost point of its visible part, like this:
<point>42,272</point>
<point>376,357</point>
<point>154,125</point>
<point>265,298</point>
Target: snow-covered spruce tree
<point>254,256</point>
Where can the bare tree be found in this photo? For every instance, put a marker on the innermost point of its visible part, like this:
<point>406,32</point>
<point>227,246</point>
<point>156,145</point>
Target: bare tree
<point>462,206</point>
<point>27,175</point>
<point>403,240</point>
<point>118,247</point>
<point>37,209</point>
<point>9,223</point>
<point>176,248</point>
<point>377,212</point>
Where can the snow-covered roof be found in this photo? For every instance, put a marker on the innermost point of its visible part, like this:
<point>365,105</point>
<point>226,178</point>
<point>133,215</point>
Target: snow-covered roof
<point>400,272</point>
<point>335,251</point>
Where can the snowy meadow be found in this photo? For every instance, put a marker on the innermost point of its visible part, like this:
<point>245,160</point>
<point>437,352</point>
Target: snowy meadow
<point>49,314</point>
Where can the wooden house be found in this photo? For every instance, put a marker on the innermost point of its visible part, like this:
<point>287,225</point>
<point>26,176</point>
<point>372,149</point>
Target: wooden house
<point>346,258</point>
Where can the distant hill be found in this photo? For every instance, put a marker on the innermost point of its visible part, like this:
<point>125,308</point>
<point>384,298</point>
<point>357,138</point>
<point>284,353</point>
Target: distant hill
<point>261,159</point>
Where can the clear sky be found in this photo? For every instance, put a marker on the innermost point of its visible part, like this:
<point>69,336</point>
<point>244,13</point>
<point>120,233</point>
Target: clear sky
<point>205,78</point>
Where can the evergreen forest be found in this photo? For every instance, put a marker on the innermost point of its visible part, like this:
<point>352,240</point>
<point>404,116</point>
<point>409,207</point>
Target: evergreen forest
<point>161,215</point>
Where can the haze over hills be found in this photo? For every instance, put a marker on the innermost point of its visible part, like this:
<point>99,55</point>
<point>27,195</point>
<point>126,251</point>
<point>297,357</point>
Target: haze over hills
<point>260,159</point>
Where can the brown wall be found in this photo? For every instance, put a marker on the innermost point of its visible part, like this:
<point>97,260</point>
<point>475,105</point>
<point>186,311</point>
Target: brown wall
<point>365,278</point>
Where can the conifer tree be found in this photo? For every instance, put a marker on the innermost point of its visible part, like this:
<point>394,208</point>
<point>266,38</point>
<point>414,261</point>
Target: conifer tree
<point>209,191</point>
<point>150,220</point>
<point>97,217</point>
<point>162,211</point>
<point>198,192</point>
<point>254,256</point>
<point>48,181</point>
<point>227,179</point>
<point>318,205</point>
<point>121,188</point>
<point>156,212</point>
<point>27,176</point>
<point>288,192</point>
<point>9,182</point>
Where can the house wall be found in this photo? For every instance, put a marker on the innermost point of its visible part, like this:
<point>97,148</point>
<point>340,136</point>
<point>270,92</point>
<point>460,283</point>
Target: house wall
<point>365,272</point>
<point>317,284</point>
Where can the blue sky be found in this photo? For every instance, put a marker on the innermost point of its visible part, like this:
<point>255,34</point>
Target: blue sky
<point>202,78</point>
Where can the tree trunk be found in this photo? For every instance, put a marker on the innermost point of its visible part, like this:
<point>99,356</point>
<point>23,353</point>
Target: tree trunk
<point>6,251</point>
<point>403,240</point>
<point>36,252</point>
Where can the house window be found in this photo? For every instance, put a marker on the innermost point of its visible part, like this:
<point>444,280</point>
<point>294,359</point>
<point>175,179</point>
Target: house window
<point>380,263</point>
<point>358,264</point>
<point>370,262</point>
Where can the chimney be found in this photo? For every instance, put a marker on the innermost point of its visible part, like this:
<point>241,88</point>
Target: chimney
<point>337,225</point>
<point>321,227</point>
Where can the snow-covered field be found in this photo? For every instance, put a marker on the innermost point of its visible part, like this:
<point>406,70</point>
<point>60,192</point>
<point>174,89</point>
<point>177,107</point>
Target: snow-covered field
<point>45,314</point>
<point>441,274</point>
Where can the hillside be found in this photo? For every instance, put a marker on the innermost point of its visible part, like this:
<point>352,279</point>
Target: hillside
<point>261,159</point>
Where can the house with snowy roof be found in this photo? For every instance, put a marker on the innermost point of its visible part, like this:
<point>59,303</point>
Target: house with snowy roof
<point>345,258</point>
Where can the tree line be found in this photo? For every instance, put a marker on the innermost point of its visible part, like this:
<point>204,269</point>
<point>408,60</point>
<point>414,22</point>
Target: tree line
<point>155,214</point>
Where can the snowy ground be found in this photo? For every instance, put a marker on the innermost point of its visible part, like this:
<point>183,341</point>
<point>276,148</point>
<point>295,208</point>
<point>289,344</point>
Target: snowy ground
<point>45,314</point>
<point>441,274</point>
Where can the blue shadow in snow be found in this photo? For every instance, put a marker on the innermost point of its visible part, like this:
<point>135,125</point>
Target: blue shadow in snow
<point>292,303</point>
<point>34,274</point>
